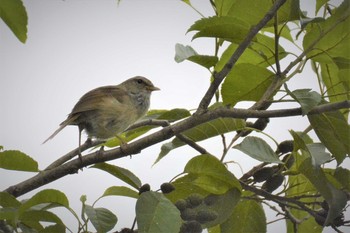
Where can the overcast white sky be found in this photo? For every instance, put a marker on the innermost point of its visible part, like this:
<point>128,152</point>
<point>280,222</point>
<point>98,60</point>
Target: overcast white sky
<point>74,46</point>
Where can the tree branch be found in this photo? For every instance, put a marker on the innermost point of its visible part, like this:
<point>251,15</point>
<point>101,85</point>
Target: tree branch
<point>219,77</point>
<point>71,167</point>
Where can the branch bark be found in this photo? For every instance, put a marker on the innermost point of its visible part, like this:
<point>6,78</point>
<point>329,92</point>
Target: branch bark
<point>73,166</point>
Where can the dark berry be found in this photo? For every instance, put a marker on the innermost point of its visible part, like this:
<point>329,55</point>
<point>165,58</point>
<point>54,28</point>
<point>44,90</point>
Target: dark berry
<point>191,227</point>
<point>167,188</point>
<point>144,188</point>
<point>285,147</point>
<point>204,216</point>
<point>181,204</point>
<point>188,214</point>
<point>272,183</point>
<point>263,174</point>
<point>194,200</point>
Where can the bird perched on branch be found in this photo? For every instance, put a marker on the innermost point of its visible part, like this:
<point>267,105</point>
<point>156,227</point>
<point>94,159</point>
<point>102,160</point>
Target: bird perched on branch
<point>107,111</point>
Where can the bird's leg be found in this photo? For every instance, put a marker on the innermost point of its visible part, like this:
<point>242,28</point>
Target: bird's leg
<point>123,145</point>
<point>79,152</point>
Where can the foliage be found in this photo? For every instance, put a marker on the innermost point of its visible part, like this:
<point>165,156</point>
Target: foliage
<point>298,180</point>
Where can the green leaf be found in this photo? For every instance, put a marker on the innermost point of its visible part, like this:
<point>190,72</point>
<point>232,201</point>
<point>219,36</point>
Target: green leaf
<point>258,149</point>
<point>57,228</point>
<point>334,132</point>
<point>307,99</point>
<point>260,53</point>
<point>33,218</point>
<point>336,80</point>
<point>156,214</point>
<point>7,200</point>
<point>121,173</point>
<point>247,216</point>
<point>45,196</point>
<point>203,131</point>
<point>204,60</point>
<point>299,185</point>
<point>335,198</point>
<point>333,33</point>
<point>343,176</point>
<point>174,114</point>
<point>211,175</point>
<point>120,191</point>
<point>101,218</point>
<point>318,153</point>
<point>246,82</point>
<point>225,27</point>
<point>252,11</point>
<point>183,52</point>
<point>14,14</point>
<point>17,160</point>
<point>319,4</point>
<point>188,53</point>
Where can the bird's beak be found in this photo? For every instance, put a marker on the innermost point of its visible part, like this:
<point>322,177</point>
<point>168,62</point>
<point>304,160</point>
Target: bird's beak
<point>153,88</point>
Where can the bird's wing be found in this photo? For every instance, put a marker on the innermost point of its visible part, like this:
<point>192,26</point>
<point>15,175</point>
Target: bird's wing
<point>94,98</point>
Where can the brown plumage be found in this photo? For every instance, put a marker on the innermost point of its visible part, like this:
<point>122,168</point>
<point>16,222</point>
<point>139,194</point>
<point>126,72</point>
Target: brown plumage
<point>107,111</point>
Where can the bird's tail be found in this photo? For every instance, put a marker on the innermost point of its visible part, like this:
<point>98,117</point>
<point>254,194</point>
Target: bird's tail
<point>62,125</point>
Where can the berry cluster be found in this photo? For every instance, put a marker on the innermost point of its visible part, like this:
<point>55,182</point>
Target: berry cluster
<point>195,212</point>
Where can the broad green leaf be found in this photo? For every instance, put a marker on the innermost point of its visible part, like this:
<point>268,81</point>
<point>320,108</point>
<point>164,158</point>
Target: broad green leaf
<point>309,150</point>
<point>246,82</point>
<point>336,79</point>
<point>120,191</point>
<point>57,228</point>
<point>318,153</point>
<point>121,173</point>
<point>156,214</point>
<point>258,149</point>
<point>264,46</point>
<point>334,132</point>
<point>307,99</point>
<point>247,216</point>
<point>8,213</point>
<point>260,53</point>
<point>101,218</point>
<point>343,176</point>
<point>211,174</point>
<point>335,198</point>
<point>253,11</point>
<point>319,4</point>
<point>204,60</point>
<point>203,131</point>
<point>299,185</point>
<point>333,35</point>
<point>14,14</point>
<point>45,196</point>
<point>284,32</point>
<point>17,160</point>
<point>174,114</point>
<point>225,27</point>
<point>183,52</point>
<point>7,200</point>
<point>33,218</point>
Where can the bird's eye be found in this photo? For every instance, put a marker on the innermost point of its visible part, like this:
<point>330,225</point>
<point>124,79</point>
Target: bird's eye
<point>139,81</point>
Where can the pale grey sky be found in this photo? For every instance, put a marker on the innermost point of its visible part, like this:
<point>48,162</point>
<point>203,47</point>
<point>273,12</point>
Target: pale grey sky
<point>74,46</point>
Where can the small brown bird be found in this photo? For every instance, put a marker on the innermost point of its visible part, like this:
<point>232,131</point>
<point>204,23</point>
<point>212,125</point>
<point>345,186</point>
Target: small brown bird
<point>107,111</point>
